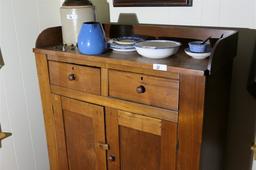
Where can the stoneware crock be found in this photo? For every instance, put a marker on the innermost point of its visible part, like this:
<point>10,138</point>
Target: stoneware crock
<point>91,39</point>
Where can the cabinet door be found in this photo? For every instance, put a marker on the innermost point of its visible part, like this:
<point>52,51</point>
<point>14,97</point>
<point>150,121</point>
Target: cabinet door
<point>80,134</point>
<point>140,143</point>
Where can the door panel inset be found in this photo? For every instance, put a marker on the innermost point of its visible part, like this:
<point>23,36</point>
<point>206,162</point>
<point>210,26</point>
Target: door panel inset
<point>84,131</point>
<point>140,143</point>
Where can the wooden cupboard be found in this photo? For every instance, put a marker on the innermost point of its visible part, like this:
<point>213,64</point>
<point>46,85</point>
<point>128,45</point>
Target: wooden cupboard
<point>116,112</point>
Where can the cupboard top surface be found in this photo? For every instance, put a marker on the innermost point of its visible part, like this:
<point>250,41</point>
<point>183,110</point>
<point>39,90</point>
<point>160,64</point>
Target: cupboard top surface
<point>224,49</point>
<point>177,63</point>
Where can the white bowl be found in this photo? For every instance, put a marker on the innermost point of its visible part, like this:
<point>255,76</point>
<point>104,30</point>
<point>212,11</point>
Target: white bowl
<point>157,49</point>
<point>199,56</point>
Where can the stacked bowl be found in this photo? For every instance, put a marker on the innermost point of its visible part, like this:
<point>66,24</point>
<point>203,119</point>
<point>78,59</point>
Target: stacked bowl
<point>124,44</point>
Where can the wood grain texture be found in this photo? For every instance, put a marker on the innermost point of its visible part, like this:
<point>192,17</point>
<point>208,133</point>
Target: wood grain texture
<point>84,127</point>
<point>100,136</point>
<point>191,32</point>
<point>168,146</point>
<point>177,125</point>
<point>119,104</point>
<point>154,30</point>
<point>182,63</point>
<point>42,72</point>
<point>112,130</point>
<point>149,71</point>
<point>136,68</point>
<point>135,148</point>
<point>139,150</point>
<point>79,107</point>
<point>104,82</point>
<point>192,92</point>
<point>151,30</point>
<point>60,133</point>
<point>138,122</point>
<point>85,79</point>
<point>49,37</point>
<point>159,92</point>
<point>80,137</point>
<point>179,63</point>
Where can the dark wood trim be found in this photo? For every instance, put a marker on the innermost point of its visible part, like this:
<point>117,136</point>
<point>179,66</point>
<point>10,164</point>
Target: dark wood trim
<point>1,60</point>
<point>150,3</point>
<point>225,50</point>
<point>216,110</point>
<point>49,37</point>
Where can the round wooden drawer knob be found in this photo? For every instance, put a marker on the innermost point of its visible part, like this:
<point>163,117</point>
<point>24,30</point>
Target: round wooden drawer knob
<point>111,158</point>
<point>141,89</point>
<point>71,77</point>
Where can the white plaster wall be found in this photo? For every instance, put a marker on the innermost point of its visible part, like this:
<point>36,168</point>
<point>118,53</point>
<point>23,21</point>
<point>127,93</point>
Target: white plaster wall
<point>254,26</point>
<point>20,106</point>
<point>226,13</point>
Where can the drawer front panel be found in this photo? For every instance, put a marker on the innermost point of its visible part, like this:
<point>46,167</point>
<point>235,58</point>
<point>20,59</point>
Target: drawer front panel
<point>82,78</point>
<point>154,91</point>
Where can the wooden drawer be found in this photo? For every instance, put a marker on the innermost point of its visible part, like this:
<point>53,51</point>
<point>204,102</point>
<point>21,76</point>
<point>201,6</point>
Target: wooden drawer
<point>82,78</point>
<point>154,91</point>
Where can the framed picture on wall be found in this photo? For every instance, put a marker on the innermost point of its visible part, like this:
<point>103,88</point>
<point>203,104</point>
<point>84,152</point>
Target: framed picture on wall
<point>130,3</point>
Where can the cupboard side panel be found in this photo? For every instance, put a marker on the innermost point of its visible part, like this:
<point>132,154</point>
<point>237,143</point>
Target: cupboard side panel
<point>216,120</point>
<point>192,91</point>
<point>42,72</point>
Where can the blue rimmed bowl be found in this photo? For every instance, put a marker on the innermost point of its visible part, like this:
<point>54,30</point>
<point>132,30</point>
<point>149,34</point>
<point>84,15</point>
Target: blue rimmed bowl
<point>157,49</point>
<point>128,40</point>
<point>198,47</point>
<point>124,43</point>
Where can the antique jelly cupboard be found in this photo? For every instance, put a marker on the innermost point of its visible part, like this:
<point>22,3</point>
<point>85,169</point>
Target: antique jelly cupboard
<point>117,112</point>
